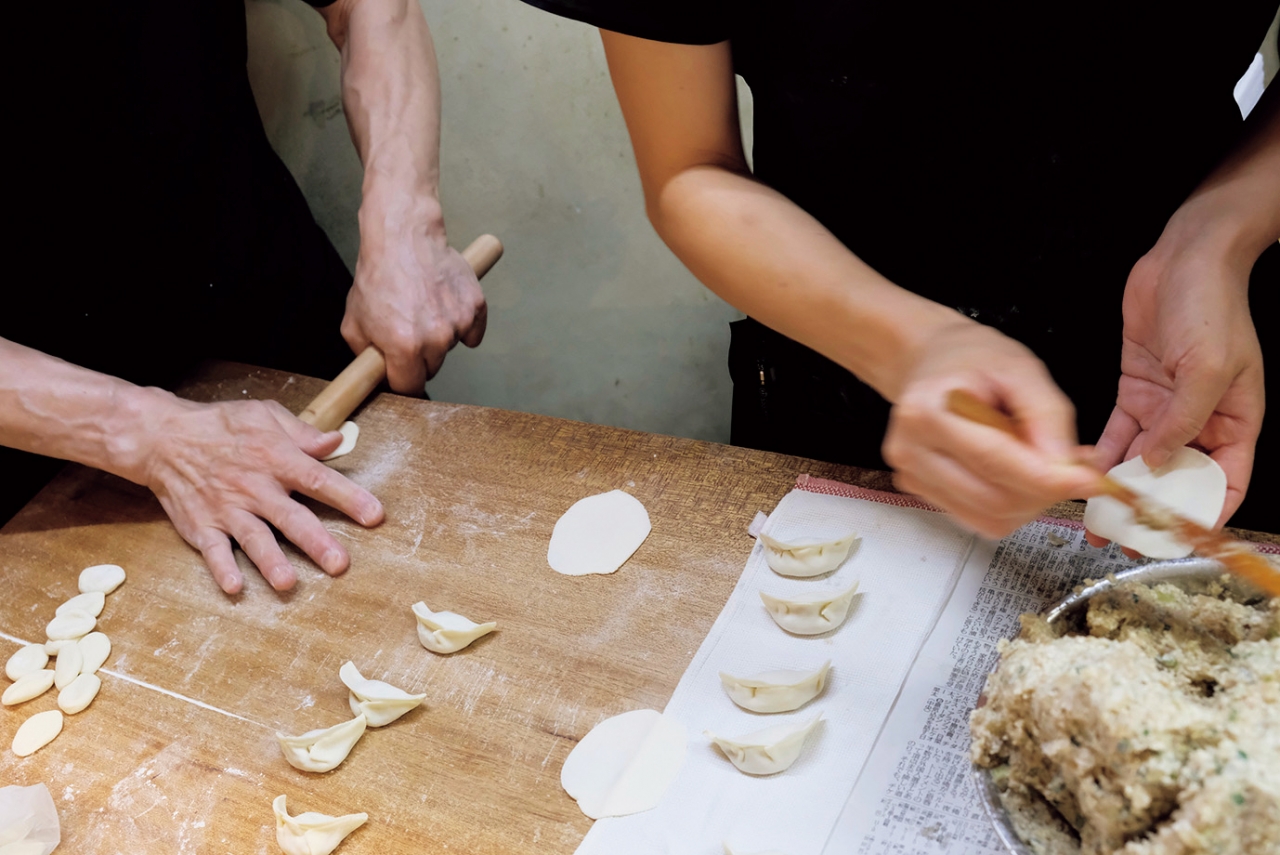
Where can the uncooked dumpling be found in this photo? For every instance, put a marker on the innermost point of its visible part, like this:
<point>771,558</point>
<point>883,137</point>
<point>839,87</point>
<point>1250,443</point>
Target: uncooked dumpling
<point>805,559</point>
<point>767,751</point>
<point>90,603</point>
<point>79,693</point>
<point>94,648</point>
<point>70,661</point>
<point>625,764</point>
<point>380,703</point>
<point>446,632</point>
<point>1190,483</point>
<point>812,614</point>
<point>101,577</point>
<point>37,732</point>
<point>350,433</point>
<point>29,686</point>
<point>322,750</point>
<point>27,660</point>
<point>312,833</point>
<point>598,534</point>
<point>776,691</point>
<point>70,625</point>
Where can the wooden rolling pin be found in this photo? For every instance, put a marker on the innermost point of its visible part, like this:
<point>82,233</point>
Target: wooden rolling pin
<point>340,398</point>
<point>1236,555</point>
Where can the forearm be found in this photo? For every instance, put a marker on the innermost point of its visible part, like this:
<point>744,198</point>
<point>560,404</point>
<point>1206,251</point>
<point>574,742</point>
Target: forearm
<point>52,407</point>
<point>766,256</point>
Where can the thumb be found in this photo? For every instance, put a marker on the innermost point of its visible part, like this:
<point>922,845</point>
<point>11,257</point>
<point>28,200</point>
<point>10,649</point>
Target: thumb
<point>309,439</point>
<point>1195,396</point>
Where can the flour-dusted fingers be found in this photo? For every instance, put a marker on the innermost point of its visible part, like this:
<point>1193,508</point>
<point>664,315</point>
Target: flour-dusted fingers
<point>215,546</point>
<point>259,544</point>
<point>304,530</point>
<point>317,481</point>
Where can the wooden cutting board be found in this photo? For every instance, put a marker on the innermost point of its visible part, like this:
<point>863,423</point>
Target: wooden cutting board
<point>177,755</point>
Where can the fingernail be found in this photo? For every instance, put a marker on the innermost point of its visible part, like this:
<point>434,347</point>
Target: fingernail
<point>332,561</point>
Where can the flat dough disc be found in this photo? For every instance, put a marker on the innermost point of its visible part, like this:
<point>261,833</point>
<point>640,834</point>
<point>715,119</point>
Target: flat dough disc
<point>350,433</point>
<point>1191,483</point>
<point>598,534</point>
<point>625,764</point>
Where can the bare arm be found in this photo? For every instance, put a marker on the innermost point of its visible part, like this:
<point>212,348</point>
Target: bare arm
<point>220,471</point>
<point>766,256</point>
<point>413,297</point>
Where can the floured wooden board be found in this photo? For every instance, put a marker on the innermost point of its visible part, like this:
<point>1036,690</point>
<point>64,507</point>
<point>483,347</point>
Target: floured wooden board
<point>177,755</point>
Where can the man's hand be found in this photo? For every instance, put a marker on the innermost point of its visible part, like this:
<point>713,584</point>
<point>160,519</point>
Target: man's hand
<point>989,481</point>
<point>414,298</point>
<point>224,471</point>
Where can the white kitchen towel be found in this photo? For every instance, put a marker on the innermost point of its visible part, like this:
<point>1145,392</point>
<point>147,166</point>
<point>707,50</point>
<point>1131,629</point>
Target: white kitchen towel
<point>906,565</point>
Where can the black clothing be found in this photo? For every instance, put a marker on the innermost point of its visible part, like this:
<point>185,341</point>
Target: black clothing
<point>156,224</point>
<point>1010,160</point>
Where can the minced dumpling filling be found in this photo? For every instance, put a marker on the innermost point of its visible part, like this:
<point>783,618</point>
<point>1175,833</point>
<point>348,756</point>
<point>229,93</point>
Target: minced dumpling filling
<point>1156,733</point>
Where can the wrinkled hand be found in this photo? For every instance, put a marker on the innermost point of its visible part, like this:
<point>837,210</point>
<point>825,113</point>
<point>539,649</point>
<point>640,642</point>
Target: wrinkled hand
<point>414,298</point>
<point>991,482</point>
<point>1190,368</point>
<point>224,471</point>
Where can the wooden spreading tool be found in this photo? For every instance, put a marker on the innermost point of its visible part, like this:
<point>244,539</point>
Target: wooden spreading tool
<point>1236,555</point>
<point>349,389</point>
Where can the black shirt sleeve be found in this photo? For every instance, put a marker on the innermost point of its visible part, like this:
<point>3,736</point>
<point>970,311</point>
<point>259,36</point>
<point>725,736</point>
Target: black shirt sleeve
<point>689,22</point>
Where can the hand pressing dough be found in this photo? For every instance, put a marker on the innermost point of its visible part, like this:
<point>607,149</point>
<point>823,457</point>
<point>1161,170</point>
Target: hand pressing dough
<point>598,534</point>
<point>70,625</point>
<point>91,603</point>
<point>446,632</point>
<point>79,693</point>
<point>380,703</point>
<point>810,615</point>
<point>27,660</point>
<point>101,577</point>
<point>94,648</point>
<point>31,686</point>
<point>312,833</point>
<point>322,750</point>
<point>805,559</point>
<point>70,661</point>
<point>625,764</point>
<point>776,691</point>
<point>1191,483</point>
<point>350,433</point>
<point>37,732</point>
<point>768,751</point>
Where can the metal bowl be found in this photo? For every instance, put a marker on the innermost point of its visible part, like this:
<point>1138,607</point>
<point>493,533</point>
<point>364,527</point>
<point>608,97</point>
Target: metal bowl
<point>1184,569</point>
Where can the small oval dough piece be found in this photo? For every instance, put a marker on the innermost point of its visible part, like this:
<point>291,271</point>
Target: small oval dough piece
<point>768,751</point>
<point>312,833</point>
<point>380,703</point>
<point>598,534</point>
<point>350,433</point>
<point>625,764</point>
<point>70,661</point>
<point>776,691</point>
<point>322,750</point>
<point>101,577</point>
<point>37,732</point>
<point>94,648</point>
<point>70,625</point>
<point>27,660</point>
<point>79,694</point>
<point>810,615</point>
<point>91,603</point>
<point>1191,483</point>
<point>806,559</point>
<point>446,632</point>
<point>31,686</point>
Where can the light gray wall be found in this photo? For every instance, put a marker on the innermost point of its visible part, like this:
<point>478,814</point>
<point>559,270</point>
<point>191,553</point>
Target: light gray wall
<point>591,317</point>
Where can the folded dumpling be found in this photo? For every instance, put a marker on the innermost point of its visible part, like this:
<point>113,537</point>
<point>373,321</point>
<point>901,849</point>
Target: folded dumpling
<point>776,691</point>
<point>312,833</point>
<point>446,632</point>
<point>322,750</point>
<point>767,751</point>
<point>380,703</point>
<point>812,614</point>
<point>806,559</point>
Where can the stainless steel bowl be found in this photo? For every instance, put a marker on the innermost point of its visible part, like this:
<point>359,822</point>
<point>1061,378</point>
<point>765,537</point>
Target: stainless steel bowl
<point>1184,569</point>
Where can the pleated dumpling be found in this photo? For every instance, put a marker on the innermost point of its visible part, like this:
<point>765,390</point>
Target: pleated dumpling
<point>380,703</point>
<point>768,751</point>
<point>776,691</point>
<point>322,750</point>
<point>312,833</point>
<point>806,559</point>
<point>446,632</point>
<point>812,614</point>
